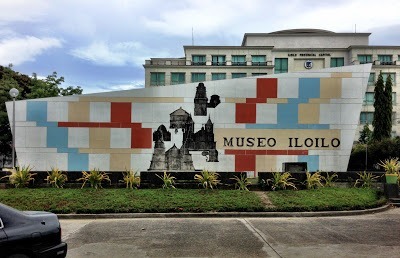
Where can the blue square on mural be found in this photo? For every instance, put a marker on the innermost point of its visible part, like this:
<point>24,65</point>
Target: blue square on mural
<point>312,162</point>
<point>36,111</point>
<point>309,88</point>
<point>288,115</point>
<point>78,161</point>
<point>57,137</point>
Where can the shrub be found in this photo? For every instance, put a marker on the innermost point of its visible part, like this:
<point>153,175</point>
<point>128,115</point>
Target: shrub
<point>281,181</point>
<point>207,179</point>
<point>391,166</point>
<point>20,177</point>
<point>168,180</point>
<point>313,180</point>
<point>56,178</point>
<point>329,179</point>
<point>365,180</point>
<point>242,182</point>
<point>95,178</point>
<point>131,179</point>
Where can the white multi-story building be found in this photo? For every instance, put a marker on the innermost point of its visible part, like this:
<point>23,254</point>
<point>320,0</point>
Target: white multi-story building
<point>282,52</point>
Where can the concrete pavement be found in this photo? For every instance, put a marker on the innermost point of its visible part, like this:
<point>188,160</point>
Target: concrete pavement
<point>370,235</point>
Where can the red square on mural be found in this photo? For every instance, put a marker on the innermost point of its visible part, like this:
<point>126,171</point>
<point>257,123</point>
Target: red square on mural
<point>246,113</point>
<point>267,87</point>
<point>121,112</point>
<point>141,138</point>
<point>245,163</point>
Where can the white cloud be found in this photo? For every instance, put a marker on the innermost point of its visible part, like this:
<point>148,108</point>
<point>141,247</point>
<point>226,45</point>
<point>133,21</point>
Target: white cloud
<point>112,54</point>
<point>115,87</point>
<point>22,10</point>
<point>20,50</point>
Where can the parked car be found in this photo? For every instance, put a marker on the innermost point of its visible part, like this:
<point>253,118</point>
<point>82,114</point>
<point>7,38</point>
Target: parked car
<point>30,234</point>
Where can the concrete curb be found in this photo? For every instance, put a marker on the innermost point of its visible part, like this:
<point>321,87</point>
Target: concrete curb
<point>223,214</point>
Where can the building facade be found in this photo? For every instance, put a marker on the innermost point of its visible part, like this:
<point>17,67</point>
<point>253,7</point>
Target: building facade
<point>251,124</point>
<point>283,52</point>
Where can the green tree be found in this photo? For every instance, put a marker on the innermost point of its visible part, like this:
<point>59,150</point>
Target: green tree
<point>29,87</point>
<point>388,107</point>
<point>380,119</point>
<point>365,134</point>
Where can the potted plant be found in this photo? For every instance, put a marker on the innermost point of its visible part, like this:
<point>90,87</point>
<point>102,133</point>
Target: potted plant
<point>391,167</point>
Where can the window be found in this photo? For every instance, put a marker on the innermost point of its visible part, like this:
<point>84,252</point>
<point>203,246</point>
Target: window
<point>218,76</point>
<point>337,61</point>
<point>392,76</point>
<point>385,58</point>
<point>366,117</point>
<point>198,60</point>
<point>238,60</point>
<point>177,78</point>
<point>369,98</point>
<point>238,75</point>
<point>258,74</point>
<point>394,98</point>
<point>218,60</point>
<point>157,79</point>
<point>365,59</point>
<point>258,60</point>
<point>281,65</point>
<point>198,77</point>
<point>371,79</point>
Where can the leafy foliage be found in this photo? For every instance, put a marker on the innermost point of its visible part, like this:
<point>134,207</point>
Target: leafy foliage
<point>207,179</point>
<point>95,177</point>
<point>21,176</point>
<point>131,179</point>
<point>391,166</point>
<point>28,88</point>
<point>281,181</point>
<point>168,180</point>
<point>366,180</point>
<point>365,135</point>
<point>56,178</point>
<point>329,179</point>
<point>382,121</point>
<point>241,182</point>
<point>313,180</point>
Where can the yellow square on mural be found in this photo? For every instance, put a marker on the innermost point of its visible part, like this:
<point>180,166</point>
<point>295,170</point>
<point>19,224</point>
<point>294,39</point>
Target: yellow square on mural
<point>308,113</point>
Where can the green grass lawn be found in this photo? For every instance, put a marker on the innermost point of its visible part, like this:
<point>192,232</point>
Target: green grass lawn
<point>185,200</point>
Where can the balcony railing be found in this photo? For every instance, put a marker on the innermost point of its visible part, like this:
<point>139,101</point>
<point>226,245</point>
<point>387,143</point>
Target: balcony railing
<point>198,63</point>
<point>239,63</point>
<point>218,63</point>
<point>258,63</point>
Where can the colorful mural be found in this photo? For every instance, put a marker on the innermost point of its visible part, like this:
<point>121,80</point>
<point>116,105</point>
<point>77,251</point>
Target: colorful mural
<point>247,124</point>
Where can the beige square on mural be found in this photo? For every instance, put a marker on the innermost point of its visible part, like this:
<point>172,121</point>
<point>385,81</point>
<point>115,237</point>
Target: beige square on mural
<point>99,138</point>
<point>266,163</point>
<point>308,113</point>
<point>342,75</point>
<point>120,162</point>
<point>331,88</point>
<point>78,112</point>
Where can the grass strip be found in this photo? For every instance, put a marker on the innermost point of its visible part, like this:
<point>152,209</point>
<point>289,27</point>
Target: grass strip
<point>93,201</point>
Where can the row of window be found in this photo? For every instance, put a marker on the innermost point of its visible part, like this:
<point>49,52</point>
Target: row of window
<point>281,66</point>
<point>383,59</point>
<point>368,117</point>
<point>369,98</point>
<point>372,78</point>
<point>158,79</point>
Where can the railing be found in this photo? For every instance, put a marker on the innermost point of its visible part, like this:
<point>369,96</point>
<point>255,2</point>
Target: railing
<point>239,63</point>
<point>218,63</point>
<point>259,63</point>
<point>198,63</point>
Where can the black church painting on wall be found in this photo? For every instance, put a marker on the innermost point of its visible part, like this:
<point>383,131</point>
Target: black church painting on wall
<point>180,159</point>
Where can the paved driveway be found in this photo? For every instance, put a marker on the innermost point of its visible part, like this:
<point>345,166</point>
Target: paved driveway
<point>375,235</point>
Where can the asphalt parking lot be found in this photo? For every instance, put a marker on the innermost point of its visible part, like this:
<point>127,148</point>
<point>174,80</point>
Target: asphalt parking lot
<point>373,235</point>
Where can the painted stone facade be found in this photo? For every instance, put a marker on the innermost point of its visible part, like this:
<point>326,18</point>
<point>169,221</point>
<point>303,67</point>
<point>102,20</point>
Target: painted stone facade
<point>247,124</point>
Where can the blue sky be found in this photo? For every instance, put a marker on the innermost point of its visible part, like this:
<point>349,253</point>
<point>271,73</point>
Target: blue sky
<point>101,45</point>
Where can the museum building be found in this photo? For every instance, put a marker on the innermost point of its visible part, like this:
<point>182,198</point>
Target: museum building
<point>251,124</point>
<point>283,52</point>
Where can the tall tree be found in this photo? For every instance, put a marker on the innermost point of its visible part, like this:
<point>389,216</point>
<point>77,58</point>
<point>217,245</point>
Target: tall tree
<point>388,107</point>
<point>379,105</point>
